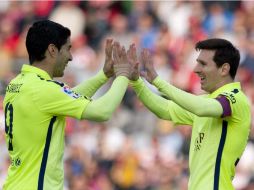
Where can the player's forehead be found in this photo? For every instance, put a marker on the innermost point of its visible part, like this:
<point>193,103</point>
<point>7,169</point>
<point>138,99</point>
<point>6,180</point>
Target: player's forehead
<point>67,44</point>
<point>206,55</point>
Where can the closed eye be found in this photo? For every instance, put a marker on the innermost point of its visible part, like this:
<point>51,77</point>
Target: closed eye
<point>202,63</point>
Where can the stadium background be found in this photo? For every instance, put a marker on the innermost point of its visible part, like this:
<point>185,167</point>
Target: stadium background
<point>134,150</point>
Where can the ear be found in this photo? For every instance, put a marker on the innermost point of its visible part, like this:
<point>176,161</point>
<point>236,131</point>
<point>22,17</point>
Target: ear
<point>52,50</point>
<point>225,68</point>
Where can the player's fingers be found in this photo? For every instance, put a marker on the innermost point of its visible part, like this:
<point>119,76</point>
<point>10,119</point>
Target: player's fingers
<point>124,55</point>
<point>143,74</point>
<point>134,51</point>
<point>116,55</point>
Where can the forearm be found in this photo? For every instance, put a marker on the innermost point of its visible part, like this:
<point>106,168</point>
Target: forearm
<point>102,108</point>
<point>90,86</point>
<point>155,103</point>
<point>204,107</point>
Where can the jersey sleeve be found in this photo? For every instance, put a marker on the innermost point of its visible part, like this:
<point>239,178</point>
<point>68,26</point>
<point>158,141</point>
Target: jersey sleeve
<point>58,99</point>
<point>90,86</point>
<point>235,105</point>
<point>198,105</point>
<point>163,108</point>
<point>180,116</point>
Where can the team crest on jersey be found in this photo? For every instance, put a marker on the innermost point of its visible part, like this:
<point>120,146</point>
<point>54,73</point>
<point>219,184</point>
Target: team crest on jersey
<point>69,92</point>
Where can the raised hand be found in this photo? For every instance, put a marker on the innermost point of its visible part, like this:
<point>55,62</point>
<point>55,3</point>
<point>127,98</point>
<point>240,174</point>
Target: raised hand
<point>146,59</point>
<point>121,64</point>
<point>108,68</point>
<point>133,60</point>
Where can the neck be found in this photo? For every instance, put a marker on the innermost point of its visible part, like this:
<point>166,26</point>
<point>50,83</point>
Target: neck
<point>44,65</point>
<point>227,80</point>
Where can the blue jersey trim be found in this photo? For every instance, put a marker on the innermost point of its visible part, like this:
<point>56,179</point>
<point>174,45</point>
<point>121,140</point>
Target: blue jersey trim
<point>219,155</point>
<point>45,154</point>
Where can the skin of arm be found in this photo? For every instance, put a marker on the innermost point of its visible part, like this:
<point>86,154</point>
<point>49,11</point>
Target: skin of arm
<point>200,106</point>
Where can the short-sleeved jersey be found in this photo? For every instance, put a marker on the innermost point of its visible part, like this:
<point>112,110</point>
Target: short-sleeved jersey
<point>216,143</point>
<point>35,109</point>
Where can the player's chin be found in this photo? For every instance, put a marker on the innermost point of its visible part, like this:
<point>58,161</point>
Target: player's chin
<point>59,74</point>
<point>203,87</point>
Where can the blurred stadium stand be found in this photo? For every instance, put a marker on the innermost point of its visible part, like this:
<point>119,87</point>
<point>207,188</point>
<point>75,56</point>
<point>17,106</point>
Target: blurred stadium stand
<point>134,150</point>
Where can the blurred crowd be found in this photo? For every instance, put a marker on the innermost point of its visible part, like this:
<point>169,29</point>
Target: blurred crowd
<point>134,150</point>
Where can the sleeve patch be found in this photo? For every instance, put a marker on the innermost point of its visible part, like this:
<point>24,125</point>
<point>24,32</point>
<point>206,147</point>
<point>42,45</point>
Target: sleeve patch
<point>67,90</point>
<point>225,105</point>
<point>230,97</point>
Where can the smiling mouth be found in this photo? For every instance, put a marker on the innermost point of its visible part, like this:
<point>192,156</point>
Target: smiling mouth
<point>202,79</point>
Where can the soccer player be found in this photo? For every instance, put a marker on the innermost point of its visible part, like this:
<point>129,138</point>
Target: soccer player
<point>220,120</point>
<point>36,105</point>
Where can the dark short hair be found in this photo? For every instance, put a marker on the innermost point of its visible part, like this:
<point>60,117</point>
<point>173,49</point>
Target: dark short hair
<point>225,52</point>
<point>43,33</point>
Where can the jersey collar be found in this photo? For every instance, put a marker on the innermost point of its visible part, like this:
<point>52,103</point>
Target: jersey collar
<point>227,87</point>
<point>36,70</point>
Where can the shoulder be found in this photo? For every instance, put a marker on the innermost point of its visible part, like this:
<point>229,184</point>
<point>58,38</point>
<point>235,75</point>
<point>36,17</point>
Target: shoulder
<point>53,87</point>
<point>239,104</point>
<point>235,96</point>
<point>48,83</point>
<point>45,86</point>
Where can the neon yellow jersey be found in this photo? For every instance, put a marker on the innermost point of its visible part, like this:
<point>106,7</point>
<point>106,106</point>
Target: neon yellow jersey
<point>35,109</point>
<point>216,143</point>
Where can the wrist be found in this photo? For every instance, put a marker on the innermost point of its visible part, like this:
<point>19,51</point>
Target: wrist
<point>122,76</point>
<point>155,80</point>
<point>101,74</point>
<point>153,76</point>
<point>134,79</point>
<point>136,82</point>
<point>108,74</point>
<point>122,73</point>
<point>137,85</point>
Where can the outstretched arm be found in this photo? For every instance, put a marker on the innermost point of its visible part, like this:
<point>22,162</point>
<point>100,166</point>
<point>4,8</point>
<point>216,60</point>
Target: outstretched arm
<point>201,106</point>
<point>90,86</point>
<point>155,103</point>
<point>102,108</point>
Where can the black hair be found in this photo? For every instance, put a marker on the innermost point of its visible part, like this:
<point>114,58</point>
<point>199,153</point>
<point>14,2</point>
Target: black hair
<point>43,33</point>
<point>225,52</point>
